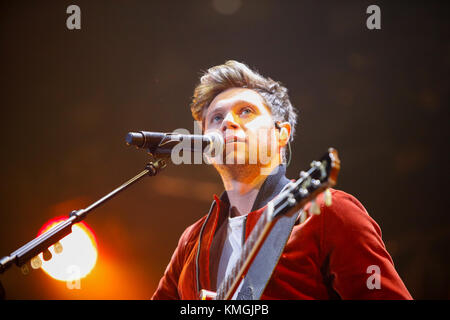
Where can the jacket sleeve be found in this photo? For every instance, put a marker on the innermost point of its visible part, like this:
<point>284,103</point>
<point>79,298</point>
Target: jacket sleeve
<point>168,285</point>
<point>358,264</point>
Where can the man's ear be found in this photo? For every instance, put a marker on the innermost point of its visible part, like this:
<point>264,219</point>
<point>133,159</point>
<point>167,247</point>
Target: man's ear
<point>285,133</point>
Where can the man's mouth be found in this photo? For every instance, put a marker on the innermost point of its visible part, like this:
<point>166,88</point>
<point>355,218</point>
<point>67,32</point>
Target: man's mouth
<point>232,139</point>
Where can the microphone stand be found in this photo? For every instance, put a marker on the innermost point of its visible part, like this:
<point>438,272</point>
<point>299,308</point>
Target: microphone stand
<point>40,244</point>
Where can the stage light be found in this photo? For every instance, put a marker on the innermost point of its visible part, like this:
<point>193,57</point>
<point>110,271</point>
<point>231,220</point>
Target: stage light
<point>75,255</point>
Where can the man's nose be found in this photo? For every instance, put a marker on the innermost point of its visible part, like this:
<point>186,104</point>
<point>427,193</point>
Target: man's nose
<point>229,122</point>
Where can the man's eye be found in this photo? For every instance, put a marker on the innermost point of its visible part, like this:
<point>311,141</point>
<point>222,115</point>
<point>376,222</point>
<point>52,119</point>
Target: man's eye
<point>217,118</point>
<point>246,111</point>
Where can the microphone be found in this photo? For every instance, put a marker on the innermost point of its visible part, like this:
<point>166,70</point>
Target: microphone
<point>162,144</point>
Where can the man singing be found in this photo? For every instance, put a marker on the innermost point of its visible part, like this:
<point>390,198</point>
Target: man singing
<point>331,255</point>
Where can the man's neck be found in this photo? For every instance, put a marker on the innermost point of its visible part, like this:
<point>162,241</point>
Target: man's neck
<point>242,184</point>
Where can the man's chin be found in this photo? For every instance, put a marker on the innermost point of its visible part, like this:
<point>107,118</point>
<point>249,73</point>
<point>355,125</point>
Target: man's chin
<point>243,168</point>
<point>239,159</point>
<point>237,162</point>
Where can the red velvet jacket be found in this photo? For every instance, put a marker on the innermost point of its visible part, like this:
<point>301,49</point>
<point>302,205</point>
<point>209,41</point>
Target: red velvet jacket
<point>329,256</point>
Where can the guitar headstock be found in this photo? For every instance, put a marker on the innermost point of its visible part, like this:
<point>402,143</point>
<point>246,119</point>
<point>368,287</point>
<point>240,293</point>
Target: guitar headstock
<point>321,176</point>
<point>327,168</point>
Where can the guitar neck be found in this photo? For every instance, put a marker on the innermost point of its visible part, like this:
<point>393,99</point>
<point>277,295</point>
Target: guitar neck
<point>251,247</point>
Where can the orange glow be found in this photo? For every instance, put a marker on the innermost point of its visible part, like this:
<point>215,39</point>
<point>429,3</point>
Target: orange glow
<point>78,256</point>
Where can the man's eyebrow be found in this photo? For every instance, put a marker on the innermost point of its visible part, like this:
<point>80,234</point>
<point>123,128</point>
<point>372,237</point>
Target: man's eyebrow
<point>216,109</point>
<point>235,102</point>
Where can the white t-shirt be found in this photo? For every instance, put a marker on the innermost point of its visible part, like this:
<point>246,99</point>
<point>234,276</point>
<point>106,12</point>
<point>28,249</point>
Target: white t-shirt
<point>232,247</point>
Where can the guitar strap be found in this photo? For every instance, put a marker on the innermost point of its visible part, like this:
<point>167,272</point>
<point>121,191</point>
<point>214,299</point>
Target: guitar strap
<point>267,258</point>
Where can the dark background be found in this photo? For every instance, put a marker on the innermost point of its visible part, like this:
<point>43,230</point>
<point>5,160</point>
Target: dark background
<point>68,98</point>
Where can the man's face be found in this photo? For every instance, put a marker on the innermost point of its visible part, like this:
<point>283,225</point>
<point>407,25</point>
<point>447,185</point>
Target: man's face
<point>246,124</point>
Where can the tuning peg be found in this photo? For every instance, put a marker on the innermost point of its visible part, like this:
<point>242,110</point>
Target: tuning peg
<point>58,247</point>
<point>328,198</point>
<point>47,255</point>
<point>314,207</point>
<point>25,269</point>
<point>36,262</point>
<point>316,164</point>
<point>291,200</point>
